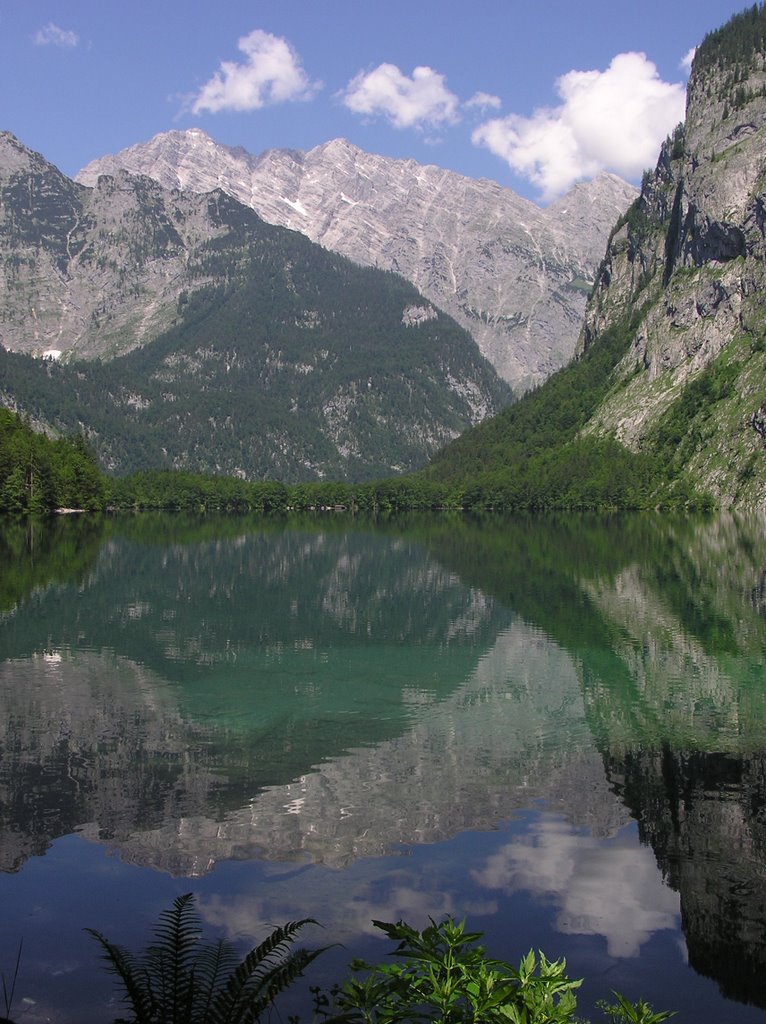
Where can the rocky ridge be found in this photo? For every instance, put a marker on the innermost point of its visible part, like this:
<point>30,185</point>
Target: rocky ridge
<point>515,275</point>
<point>94,271</point>
<point>688,264</point>
<point>246,349</point>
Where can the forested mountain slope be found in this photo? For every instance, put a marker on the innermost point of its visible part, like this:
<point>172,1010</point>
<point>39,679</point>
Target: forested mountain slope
<point>250,350</point>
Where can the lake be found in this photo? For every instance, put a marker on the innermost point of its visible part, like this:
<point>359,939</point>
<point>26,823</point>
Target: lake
<point>554,727</point>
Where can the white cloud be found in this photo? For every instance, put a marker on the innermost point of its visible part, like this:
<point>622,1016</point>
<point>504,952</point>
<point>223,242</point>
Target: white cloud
<point>609,888</point>
<point>483,101</point>
<point>346,902</point>
<point>415,102</point>
<point>52,35</point>
<point>686,61</point>
<point>271,73</point>
<point>609,120</point>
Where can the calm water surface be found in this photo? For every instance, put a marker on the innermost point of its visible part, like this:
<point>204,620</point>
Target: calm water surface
<point>553,727</point>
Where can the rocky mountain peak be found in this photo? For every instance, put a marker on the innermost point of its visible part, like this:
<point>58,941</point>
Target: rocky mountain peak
<point>338,147</point>
<point>513,274</point>
<point>15,158</point>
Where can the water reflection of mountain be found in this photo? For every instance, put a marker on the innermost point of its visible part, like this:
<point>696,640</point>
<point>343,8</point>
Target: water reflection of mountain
<point>184,694</point>
<point>469,760</point>
<point>685,745</point>
<point>281,694</point>
<point>676,699</point>
<point>704,814</point>
<point>91,744</point>
<point>201,673</point>
<point>327,694</point>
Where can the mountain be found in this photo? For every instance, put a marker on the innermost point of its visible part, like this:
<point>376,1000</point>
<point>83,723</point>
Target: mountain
<point>666,401</point>
<point>515,275</point>
<point>93,272</point>
<point>243,347</point>
<point>688,262</point>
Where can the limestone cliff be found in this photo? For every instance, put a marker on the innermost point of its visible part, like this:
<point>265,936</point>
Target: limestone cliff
<point>515,275</point>
<point>93,272</point>
<point>687,263</point>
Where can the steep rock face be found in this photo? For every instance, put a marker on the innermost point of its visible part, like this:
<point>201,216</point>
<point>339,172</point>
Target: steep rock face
<point>688,264</point>
<point>94,272</point>
<point>516,276</point>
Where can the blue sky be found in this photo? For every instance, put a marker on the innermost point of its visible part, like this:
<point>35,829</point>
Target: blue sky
<point>532,94</point>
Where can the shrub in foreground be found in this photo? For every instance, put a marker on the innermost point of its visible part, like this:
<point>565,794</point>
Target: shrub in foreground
<point>440,974</point>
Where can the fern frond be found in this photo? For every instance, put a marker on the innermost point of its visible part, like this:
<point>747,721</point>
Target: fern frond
<point>256,1002</point>
<point>135,980</point>
<point>178,927</point>
<point>277,943</point>
<point>178,981</point>
<point>262,975</point>
<point>8,995</point>
<point>170,958</point>
<point>214,965</point>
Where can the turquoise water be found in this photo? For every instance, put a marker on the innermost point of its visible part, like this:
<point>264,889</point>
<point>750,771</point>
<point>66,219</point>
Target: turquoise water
<point>553,727</point>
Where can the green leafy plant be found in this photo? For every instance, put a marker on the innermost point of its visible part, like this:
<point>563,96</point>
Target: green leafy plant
<point>442,974</point>
<point>624,1012</point>
<point>179,980</point>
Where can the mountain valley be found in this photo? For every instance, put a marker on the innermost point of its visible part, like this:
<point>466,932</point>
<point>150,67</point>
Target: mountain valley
<point>216,342</point>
